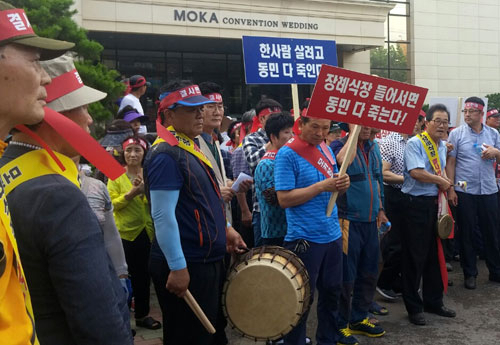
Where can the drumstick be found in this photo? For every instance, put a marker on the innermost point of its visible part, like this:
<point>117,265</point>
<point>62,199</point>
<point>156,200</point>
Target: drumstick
<point>195,307</point>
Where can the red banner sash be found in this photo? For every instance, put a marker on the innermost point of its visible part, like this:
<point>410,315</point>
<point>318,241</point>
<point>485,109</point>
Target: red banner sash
<point>270,155</point>
<point>313,155</point>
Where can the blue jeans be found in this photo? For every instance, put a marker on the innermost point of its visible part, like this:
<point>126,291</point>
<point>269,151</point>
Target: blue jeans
<point>323,262</point>
<point>360,272</point>
<point>257,234</point>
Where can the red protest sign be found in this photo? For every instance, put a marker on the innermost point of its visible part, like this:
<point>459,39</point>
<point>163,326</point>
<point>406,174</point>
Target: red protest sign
<point>352,97</point>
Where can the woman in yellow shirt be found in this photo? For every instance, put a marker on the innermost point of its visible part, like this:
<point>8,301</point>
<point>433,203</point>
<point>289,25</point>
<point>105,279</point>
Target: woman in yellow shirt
<point>135,226</point>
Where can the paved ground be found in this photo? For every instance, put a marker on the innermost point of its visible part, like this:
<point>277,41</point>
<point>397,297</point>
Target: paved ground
<point>477,321</point>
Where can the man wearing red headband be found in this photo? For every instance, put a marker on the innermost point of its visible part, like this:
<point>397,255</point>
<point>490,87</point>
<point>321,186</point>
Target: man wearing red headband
<point>475,150</point>
<point>209,142</point>
<point>493,118</point>
<point>78,294</point>
<point>22,82</point>
<point>138,86</point>
<point>192,233</point>
<point>254,148</point>
<point>305,174</point>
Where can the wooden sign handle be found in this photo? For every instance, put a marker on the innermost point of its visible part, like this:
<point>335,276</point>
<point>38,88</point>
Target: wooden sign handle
<point>352,142</point>
<point>295,101</point>
<point>195,307</point>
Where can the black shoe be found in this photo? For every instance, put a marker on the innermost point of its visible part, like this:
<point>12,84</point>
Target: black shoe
<point>441,311</point>
<point>417,319</point>
<point>470,283</point>
<point>494,278</point>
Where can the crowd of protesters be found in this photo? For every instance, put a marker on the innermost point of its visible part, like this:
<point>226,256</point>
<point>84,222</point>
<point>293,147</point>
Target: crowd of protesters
<point>85,252</point>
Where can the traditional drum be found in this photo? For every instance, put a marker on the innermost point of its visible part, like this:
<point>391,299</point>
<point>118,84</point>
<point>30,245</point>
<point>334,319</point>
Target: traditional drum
<point>266,293</point>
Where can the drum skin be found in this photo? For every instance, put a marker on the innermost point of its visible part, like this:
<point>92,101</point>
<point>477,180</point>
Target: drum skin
<point>266,293</point>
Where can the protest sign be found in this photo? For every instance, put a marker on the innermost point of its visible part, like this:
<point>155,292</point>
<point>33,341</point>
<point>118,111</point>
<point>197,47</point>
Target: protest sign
<point>352,97</point>
<point>276,60</point>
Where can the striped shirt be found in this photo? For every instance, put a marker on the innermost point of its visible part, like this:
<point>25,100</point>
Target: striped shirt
<point>307,221</point>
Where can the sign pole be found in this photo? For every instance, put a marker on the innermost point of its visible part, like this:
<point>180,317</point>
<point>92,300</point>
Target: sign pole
<point>352,143</point>
<point>295,101</point>
<point>459,111</point>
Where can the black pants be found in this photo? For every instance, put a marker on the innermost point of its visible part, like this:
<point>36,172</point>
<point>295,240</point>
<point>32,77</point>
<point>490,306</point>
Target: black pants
<point>419,256</point>
<point>390,245</point>
<point>180,325</point>
<point>482,208</point>
<point>137,256</point>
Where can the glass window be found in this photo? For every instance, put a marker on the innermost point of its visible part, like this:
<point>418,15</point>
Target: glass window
<point>392,60</point>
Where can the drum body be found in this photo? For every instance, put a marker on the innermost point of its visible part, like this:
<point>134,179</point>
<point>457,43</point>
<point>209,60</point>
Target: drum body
<point>266,293</point>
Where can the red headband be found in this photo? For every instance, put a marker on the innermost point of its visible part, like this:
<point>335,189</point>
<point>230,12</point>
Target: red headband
<point>236,126</point>
<point>63,84</point>
<point>179,95</point>
<point>474,105</point>
<point>14,23</point>
<point>264,112</point>
<point>136,141</point>
<point>216,97</point>
<point>491,112</point>
<point>268,111</point>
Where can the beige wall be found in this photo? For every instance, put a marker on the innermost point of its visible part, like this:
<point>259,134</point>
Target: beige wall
<point>456,46</point>
<point>359,23</point>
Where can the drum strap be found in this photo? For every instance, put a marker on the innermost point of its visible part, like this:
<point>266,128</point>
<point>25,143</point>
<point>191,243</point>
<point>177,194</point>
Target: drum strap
<point>432,152</point>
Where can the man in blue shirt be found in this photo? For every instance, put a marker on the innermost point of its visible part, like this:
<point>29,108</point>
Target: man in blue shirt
<point>362,206</point>
<point>272,220</point>
<point>419,256</point>
<point>304,191</point>
<point>191,231</point>
<point>475,152</point>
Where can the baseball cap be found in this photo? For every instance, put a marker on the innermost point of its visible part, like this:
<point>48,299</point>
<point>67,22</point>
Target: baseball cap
<point>334,127</point>
<point>67,91</point>
<point>132,115</point>
<point>492,112</point>
<point>16,28</point>
<point>136,81</point>
<point>189,96</point>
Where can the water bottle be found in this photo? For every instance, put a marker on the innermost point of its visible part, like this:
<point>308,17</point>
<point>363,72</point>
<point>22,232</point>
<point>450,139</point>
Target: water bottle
<point>384,227</point>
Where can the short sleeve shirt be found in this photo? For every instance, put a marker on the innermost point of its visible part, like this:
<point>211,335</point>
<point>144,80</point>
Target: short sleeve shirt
<point>415,157</point>
<point>392,149</point>
<point>306,221</point>
<point>272,217</point>
<point>470,167</point>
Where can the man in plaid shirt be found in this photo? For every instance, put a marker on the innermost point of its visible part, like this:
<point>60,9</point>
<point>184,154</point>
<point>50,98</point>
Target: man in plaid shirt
<point>254,147</point>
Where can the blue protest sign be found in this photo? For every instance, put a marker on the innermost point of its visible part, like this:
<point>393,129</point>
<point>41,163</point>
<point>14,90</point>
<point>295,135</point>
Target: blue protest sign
<point>274,60</point>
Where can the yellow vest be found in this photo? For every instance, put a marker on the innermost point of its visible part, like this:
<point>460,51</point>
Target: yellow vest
<point>16,312</point>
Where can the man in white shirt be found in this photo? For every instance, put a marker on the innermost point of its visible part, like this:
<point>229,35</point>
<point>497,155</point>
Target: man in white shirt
<point>138,85</point>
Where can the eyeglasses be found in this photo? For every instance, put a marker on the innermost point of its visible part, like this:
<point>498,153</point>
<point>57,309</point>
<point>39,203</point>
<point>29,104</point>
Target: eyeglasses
<point>439,122</point>
<point>470,111</point>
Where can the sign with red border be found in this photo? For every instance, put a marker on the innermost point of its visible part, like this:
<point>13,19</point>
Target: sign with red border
<point>352,97</point>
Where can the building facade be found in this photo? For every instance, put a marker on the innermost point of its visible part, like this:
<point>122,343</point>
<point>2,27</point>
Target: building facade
<point>456,47</point>
<point>201,40</point>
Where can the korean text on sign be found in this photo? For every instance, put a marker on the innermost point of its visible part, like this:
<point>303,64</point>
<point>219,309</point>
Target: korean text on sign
<point>271,60</point>
<point>352,97</point>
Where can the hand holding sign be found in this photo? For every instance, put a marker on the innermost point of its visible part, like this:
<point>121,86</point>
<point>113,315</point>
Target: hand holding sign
<point>352,97</point>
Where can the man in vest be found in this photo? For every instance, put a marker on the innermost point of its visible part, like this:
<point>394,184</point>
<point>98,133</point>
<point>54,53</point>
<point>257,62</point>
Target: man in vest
<point>76,293</point>
<point>423,181</point>
<point>305,175</point>
<point>192,232</point>
<point>22,82</point>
